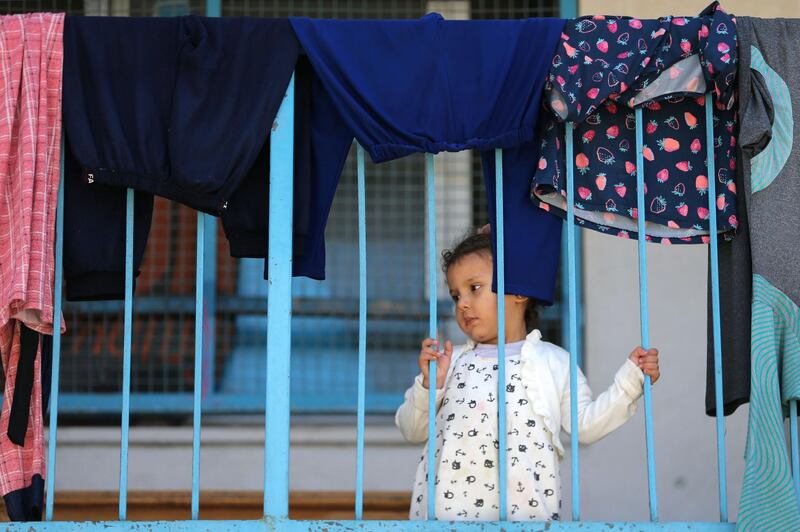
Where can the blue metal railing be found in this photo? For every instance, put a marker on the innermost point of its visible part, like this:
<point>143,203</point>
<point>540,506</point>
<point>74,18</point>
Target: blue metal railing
<point>279,324</point>
<point>500,237</point>
<point>56,368</point>
<point>430,220</point>
<point>277,417</point>
<point>126,364</point>
<point>198,362</point>
<point>573,325</point>
<point>362,331</point>
<point>644,315</point>
<point>712,208</point>
<point>276,471</point>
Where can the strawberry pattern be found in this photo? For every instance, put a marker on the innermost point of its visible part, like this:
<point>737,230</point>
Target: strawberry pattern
<point>603,69</point>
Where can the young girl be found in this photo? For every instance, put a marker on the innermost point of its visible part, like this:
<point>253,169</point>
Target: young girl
<point>537,402</point>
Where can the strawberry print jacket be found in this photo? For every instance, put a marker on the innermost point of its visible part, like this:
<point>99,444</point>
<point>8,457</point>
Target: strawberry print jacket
<point>603,69</point>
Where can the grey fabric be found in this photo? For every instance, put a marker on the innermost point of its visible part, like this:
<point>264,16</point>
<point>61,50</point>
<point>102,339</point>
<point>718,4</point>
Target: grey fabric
<point>769,138</point>
<point>735,295</point>
<point>767,243</point>
<point>773,207</point>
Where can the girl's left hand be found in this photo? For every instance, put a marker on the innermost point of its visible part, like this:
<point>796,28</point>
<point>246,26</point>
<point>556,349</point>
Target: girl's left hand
<point>647,361</point>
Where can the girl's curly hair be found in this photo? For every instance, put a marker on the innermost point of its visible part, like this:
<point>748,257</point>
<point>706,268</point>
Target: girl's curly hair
<point>481,243</point>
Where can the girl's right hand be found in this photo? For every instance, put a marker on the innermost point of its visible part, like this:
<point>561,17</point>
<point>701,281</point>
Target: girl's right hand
<point>430,352</point>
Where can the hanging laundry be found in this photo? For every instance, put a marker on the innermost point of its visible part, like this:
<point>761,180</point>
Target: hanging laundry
<point>452,68</point>
<point>603,69</point>
<point>31,59</point>
<point>320,150</point>
<point>769,91</point>
<point>94,234</point>
<point>736,292</point>
<point>247,227</point>
<point>532,236</point>
<point>167,131</point>
<point>149,102</point>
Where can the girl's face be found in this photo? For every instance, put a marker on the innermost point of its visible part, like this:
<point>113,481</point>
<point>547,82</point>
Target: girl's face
<point>470,284</point>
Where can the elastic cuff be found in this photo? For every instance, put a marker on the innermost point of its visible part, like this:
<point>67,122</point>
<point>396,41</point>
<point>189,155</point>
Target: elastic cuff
<point>248,244</point>
<point>253,244</point>
<point>631,379</point>
<point>421,394</point>
<point>97,286</point>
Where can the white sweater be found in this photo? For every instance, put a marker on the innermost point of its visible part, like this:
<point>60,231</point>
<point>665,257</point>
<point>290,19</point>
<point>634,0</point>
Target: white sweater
<point>545,375</point>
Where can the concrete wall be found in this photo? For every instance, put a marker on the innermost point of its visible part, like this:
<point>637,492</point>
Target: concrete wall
<point>232,457</point>
<point>614,470</point>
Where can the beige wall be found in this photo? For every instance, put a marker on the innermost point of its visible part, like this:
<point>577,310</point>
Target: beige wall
<point>614,474</point>
<point>651,9</point>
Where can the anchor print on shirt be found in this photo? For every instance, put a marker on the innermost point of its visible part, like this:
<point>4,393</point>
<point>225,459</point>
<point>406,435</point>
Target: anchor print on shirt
<point>467,442</point>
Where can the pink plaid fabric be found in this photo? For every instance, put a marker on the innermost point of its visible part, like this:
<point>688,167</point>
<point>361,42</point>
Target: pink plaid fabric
<point>31,59</point>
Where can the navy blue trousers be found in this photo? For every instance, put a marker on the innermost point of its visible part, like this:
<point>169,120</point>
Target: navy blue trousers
<point>431,85</point>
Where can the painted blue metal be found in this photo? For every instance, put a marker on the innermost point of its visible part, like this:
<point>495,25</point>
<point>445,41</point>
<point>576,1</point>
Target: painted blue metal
<point>712,208</point>
<point>220,403</point>
<point>500,261</point>
<point>286,525</point>
<point>209,317</point>
<point>568,9</point>
<point>279,308</point>
<point>579,299</point>
<point>430,179</point>
<point>126,358</point>
<point>311,306</point>
<point>644,315</point>
<point>573,323</point>
<point>198,364</point>
<point>340,307</point>
<point>794,443</point>
<point>214,8</point>
<point>56,367</point>
<point>564,280</point>
<point>362,330</point>
<point>565,288</point>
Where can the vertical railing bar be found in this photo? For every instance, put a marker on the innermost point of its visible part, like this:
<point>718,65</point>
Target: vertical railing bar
<point>578,299</point>
<point>565,286</point>
<point>209,305</point>
<point>198,363</point>
<point>56,365</point>
<point>794,443</point>
<point>644,315</point>
<point>563,275</point>
<point>432,332</point>
<point>712,227</point>
<point>501,331</point>
<point>279,311</point>
<point>568,9</point>
<point>362,330</point>
<point>126,357</point>
<point>573,324</point>
<point>213,9</point>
